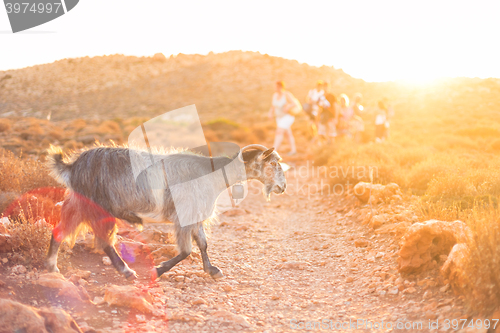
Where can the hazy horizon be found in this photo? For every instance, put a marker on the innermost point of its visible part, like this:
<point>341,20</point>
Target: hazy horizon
<point>374,41</point>
<point>303,62</point>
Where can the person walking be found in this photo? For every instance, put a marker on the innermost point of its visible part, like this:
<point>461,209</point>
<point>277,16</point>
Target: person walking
<point>282,103</point>
<point>345,116</point>
<point>312,106</point>
<point>328,118</point>
<point>381,122</point>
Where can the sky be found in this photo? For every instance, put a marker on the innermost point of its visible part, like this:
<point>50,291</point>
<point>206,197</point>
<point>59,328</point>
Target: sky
<point>414,41</point>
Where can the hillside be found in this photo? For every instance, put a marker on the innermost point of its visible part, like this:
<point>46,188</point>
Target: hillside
<point>231,83</point>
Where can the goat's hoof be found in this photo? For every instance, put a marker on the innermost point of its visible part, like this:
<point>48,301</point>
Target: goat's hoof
<point>52,269</point>
<point>154,274</point>
<point>130,275</point>
<point>215,273</point>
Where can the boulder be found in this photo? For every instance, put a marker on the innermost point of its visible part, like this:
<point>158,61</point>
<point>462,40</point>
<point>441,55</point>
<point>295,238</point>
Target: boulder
<point>427,241</point>
<point>17,317</point>
<point>454,268</point>
<point>66,288</point>
<point>130,297</point>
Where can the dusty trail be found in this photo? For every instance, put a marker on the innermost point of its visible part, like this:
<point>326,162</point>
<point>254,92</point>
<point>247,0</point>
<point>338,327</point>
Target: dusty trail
<point>294,260</point>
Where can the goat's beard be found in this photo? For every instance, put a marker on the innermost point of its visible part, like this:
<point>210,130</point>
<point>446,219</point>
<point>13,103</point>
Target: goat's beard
<point>268,189</point>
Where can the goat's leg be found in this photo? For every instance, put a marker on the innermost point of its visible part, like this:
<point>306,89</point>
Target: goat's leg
<point>184,246</point>
<point>118,262</point>
<point>51,263</point>
<point>201,240</point>
<point>70,219</point>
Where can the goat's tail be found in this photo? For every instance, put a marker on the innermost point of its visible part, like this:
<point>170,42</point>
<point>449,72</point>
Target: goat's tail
<point>59,169</point>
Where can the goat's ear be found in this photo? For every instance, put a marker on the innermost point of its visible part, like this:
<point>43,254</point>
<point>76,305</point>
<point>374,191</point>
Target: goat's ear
<point>266,154</point>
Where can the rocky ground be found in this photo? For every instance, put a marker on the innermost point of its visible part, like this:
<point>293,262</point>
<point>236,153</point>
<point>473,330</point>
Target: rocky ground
<point>299,259</point>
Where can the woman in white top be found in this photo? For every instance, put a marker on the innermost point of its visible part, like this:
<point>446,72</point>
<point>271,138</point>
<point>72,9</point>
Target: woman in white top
<point>281,105</point>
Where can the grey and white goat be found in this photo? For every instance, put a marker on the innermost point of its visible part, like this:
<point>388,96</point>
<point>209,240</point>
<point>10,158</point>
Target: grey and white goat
<point>102,187</point>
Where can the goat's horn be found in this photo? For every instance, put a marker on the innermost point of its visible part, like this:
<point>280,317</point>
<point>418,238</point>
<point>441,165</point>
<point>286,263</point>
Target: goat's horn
<point>260,147</point>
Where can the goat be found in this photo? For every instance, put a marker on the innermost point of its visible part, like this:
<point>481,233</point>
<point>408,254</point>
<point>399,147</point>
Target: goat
<point>102,188</point>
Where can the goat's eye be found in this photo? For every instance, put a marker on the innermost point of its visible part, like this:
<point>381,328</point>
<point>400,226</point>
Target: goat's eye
<point>273,163</point>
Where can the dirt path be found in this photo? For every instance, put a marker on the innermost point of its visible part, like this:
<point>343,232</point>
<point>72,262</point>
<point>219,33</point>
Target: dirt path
<point>294,260</point>
<point>288,264</point>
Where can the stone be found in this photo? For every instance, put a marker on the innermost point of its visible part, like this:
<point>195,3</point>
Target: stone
<point>98,300</point>
<point>376,193</point>
<point>454,268</point>
<point>106,261</point>
<point>17,317</point>
<point>300,265</point>
<point>395,229</point>
<point>80,274</point>
<point>361,242</point>
<point>5,245</point>
<point>18,269</point>
<point>229,316</point>
<point>130,297</point>
<point>378,220</point>
<point>66,288</point>
<point>428,240</point>
<point>393,291</point>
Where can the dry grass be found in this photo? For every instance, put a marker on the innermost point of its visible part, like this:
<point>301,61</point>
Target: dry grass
<point>21,175</point>
<point>445,150</point>
<point>30,239</point>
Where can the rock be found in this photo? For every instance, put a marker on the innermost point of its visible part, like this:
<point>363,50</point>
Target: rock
<point>5,244</point>
<point>106,261</point>
<point>98,300</point>
<point>227,287</point>
<point>361,242</point>
<point>393,291</point>
<point>17,317</point>
<point>66,288</point>
<point>378,220</point>
<point>229,316</point>
<point>393,229</point>
<point>78,273</point>
<point>163,252</point>
<point>445,288</point>
<point>151,235</point>
<point>18,269</point>
<point>375,193</point>
<point>410,290</point>
<point>130,297</point>
<point>454,268</point>
<point>198,301</point>
<point>423,242</point>
<point>180,316</point>
<point>140,318</point>
<point>300,265</point>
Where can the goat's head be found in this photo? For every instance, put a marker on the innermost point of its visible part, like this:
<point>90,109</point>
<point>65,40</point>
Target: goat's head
<point>264,165</point>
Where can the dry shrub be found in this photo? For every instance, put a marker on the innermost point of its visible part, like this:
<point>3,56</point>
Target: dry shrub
<point>5,125</point>
<point>22,175</point>
<point>108,127</point>
<point>76,125</point>
<point>37,205</point>
<point>30,240</point>
<point>483,265</point>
